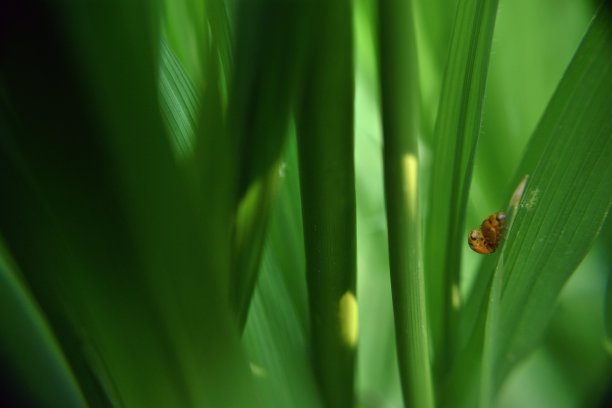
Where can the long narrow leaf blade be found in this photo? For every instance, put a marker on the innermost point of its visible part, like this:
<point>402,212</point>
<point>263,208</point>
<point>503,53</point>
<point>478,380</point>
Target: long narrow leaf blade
<point>325,147</point>
<point>33,363</point>
<point>565,204</point>
<point>457,128</point>
<point>398,79</point>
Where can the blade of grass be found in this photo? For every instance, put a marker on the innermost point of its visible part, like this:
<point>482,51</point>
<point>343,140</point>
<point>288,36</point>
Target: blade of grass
<point>479,312</point>
<point>608,315</point>
<point>116,232</point>
<point>472,312</point>
<point>434,26</point>
<point>222,32</point>
<point>184,25</point>
<point>562,210</point>
<point>180,106</point>
<point>267,64</point>
<point>249,239</point>
<point>276,333</point>
<point>491,320</point>
<point>32,359</point>
<point>169,231</point>
<point>398,77</point>
<point>179,102</point>
<point>269,46</point>
<point>456,135</point>
<point>377,380</point>
<point>606,239</point>
<point>325,147</point>
<point>206,149</point>
<point>44,221</point>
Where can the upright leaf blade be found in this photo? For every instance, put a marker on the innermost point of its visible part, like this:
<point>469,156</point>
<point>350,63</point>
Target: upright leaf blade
<point>179,102</point>
<point>277,330</point>
<point>90,186</point>
<point>268,49</point>
<point>457,128</point>
<point>327,181</point>
<point>399,95</point>
<point>33,363</point>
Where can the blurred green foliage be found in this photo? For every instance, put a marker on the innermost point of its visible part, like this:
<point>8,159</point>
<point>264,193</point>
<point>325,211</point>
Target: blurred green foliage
<point>187,189</point>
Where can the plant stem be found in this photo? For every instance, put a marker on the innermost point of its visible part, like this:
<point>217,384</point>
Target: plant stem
<point>325,146</point>
<point>399,92</point>
<point>454,146</point>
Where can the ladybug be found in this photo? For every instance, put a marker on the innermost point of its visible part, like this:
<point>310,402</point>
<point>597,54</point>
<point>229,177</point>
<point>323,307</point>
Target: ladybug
<point>485,240</point>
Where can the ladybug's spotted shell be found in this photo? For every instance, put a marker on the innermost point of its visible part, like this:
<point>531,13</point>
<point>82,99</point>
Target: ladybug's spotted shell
<point>491,228</point>
<point>485,240</point>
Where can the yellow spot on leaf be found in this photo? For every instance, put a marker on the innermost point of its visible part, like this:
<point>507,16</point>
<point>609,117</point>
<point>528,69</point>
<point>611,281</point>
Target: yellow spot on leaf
<point>456,297</point>
<point>410,167</point>
<point>256,370</point>
<point>349,319</point>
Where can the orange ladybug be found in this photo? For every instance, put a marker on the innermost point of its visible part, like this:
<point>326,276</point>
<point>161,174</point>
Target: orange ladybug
<point>485,240</point>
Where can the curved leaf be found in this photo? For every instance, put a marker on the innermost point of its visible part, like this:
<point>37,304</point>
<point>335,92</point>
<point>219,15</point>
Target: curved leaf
<point>32,359</point>
<point>563,208</point>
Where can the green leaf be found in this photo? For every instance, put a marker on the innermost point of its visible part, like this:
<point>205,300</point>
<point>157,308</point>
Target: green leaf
<point>104,223</point>
<point>398,83</point>
<point>608,315</point>
<point>184,26</point>
<point>267,55</point>
<point>456,135</point>
<point>606,242</point>
<point>179,102</point>
<point>33,362</point>
<point>325,148</point>
<point>562,210</point>
<point>276,336</point>
<point>249,238</point>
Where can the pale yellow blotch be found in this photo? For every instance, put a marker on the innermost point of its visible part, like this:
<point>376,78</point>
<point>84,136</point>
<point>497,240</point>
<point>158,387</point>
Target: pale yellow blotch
<point>410,167</point>
<point>250,205</point>
<point>456,297</point>
<point>256,370</point>
<point>349,319</point>
<point>518,192</point>
<point>247,207</point>
<point>282,170</point>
